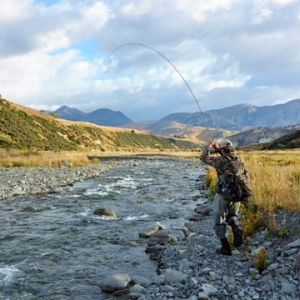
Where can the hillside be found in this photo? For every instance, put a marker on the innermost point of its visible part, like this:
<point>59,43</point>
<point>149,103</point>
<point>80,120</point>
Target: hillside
<point>260,135</point>
<point>101,116</point>
<point>291,140</point>
<point>238,117</point>
<point>199,135</point>
<point>24,128</point>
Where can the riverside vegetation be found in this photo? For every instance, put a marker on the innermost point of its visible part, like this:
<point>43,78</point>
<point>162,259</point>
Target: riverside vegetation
<point>275,181</point>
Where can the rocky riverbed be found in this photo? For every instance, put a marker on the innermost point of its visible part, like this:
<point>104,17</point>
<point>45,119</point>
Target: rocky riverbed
<point>26,181</point>
<point>190,269</point>
<point>142,231</point>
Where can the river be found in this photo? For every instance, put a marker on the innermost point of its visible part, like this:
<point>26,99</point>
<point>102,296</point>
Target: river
<point>53,246</point>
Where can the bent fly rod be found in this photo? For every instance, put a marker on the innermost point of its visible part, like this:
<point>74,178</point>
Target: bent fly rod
<point>177,71</point>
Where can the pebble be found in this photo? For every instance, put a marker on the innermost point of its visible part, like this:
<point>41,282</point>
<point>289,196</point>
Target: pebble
<point>175,277</point>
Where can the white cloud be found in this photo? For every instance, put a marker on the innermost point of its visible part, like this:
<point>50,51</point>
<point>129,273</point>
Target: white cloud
<point>226,49</point>
<point>14,10</point>
<point>200,9</point>
<point>284,2</point>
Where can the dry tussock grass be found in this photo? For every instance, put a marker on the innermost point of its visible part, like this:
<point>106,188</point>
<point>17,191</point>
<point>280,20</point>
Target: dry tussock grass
<point>275,178</point>
<point>29,158</point>
<point>18,158</point>
<point>275,182</point>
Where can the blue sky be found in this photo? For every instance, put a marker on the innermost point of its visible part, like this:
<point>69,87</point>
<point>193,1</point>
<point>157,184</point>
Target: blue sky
<point>56,53</point>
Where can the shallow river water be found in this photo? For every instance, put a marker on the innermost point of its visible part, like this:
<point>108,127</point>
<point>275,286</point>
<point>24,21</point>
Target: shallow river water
<point>54,247</point>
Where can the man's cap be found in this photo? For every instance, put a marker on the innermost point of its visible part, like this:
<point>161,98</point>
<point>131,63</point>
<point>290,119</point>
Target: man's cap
<point>227,144</point>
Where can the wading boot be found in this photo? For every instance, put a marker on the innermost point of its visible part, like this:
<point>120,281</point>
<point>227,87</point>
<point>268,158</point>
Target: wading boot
<point>225,249</point>
<point>237,234</point>
<point>237,237</point>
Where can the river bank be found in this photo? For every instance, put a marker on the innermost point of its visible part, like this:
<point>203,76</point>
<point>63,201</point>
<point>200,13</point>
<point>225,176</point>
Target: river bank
<point>28,181</point>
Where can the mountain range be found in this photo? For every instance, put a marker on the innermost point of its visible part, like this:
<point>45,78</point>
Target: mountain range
<point>102,116</point>
<point>238,117</point>
<point>253,124</point>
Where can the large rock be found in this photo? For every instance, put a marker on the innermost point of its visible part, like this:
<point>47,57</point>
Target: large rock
<point>115,282</point>
<point>106,212</point>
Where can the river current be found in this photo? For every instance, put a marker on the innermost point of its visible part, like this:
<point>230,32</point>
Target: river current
<point>53,246</point>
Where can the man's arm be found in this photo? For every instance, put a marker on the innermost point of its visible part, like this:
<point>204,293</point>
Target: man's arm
<point>207,158</point>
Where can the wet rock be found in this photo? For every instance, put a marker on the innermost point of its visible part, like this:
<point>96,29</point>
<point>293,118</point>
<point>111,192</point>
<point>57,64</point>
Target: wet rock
<point>107,212</point>
<point>115,282</point>
<point>151,231</point>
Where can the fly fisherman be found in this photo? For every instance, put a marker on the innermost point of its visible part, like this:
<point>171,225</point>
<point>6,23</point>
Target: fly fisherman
<point>232,189</point>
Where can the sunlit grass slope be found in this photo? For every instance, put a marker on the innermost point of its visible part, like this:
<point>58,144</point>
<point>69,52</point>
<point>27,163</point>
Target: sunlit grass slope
<point>24,128</point>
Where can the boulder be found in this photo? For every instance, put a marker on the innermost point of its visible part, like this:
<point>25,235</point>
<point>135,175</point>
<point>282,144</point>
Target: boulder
<point>115,282</point>
<point>107,212</point>
<point>151,231</point>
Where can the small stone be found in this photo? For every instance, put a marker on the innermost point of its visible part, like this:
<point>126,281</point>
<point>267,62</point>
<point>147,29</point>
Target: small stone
<point>287,287</point>
<point>115,282</point>
<point>208,290</point>
<point>212,276</point>
<point>228,280</point>
<point>253,271</point>
<point>205,271</point>
<point>297,262</point>
<point>295,244</point>
<point>137,290</point>
<point>175,277</point>
<point>291,251</point>
<point>107,212</point>
<point>273,267</point>
<point>202,295</point>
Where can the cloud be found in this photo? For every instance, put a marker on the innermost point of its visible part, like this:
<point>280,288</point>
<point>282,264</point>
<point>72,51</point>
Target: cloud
<point>230,52</point>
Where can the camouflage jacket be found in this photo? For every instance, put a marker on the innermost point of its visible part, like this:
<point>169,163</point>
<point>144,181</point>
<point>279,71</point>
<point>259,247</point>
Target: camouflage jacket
<point>220,163</point>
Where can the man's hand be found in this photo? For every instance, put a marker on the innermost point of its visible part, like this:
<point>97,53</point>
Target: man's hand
<point>214,145</point>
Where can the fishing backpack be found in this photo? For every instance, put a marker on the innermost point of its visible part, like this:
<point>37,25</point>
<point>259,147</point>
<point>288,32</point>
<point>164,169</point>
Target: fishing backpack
<point>235,184</point>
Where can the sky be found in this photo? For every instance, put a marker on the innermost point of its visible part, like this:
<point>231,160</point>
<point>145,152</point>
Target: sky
<point>58,52</point>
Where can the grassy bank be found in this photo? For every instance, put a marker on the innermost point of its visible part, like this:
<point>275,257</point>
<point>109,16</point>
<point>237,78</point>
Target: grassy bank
<point>29,158</point>
<point>275,181</point>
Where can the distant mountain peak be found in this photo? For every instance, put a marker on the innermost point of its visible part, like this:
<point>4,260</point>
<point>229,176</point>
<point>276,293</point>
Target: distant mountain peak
<point>101,116</point>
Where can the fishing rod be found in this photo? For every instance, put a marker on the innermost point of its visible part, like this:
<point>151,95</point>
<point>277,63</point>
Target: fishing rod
<point>177,71</point>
